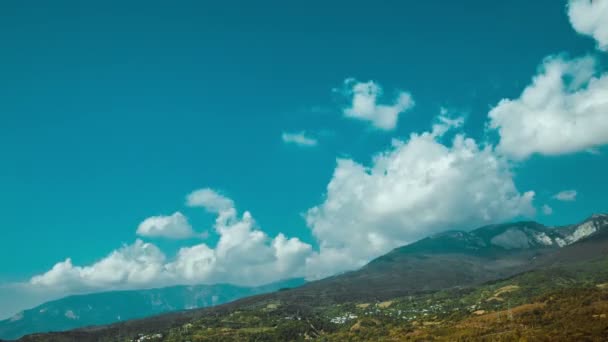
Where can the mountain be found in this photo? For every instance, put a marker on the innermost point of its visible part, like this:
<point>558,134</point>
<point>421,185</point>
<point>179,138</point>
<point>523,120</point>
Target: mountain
<point>567,302</point>
<point>109,307</point>
<point>453,259</point>
<point>449,261</point>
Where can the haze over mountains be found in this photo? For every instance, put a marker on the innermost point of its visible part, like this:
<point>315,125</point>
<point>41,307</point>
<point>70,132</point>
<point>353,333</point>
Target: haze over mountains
<point>453,259</point>
<point>109,307</point>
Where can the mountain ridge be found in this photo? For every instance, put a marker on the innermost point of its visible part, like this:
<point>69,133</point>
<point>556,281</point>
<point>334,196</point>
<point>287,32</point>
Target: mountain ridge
<point>108,307</point>
<point>468,259</point>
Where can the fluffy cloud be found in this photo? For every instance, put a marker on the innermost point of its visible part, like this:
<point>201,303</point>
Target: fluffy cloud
<point>564,110</point>
<point>175,226</point>
<point>299,139</point>
<point>139,264</point>
<point>547,210</point>
<point>590,17</point>
<point>364,104</point>
<point>566,195</point>
<point>243,255</point>
<point>209,199</point>
<point>415,188</point>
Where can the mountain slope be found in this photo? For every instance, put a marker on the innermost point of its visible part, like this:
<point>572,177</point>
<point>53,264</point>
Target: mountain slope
<point>568,302</point>
<point>454,259</point>
<point>446,261</point>
<point>109,307</point>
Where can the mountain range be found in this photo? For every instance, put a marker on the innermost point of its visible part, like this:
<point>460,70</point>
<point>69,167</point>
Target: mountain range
<point>109,307</point>
<point>454,259</point>
<point>450,260</point>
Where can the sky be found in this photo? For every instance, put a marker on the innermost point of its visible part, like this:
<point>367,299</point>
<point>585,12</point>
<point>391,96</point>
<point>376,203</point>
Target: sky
<point>145,145</point>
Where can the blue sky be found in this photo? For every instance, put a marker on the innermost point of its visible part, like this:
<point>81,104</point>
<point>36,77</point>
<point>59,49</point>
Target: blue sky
<point>113,113</point>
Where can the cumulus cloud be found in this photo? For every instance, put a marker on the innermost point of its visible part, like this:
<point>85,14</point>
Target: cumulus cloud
<point>209,199</point>
<point>590,17</point>
<point>175,226</point>
<point>415,188</point>
<point>364,104</point>
<point>300,139</point>
<point>547,210</point>
<point>564,110</point>
<point>243,255</point>
<point>139,264</point>
<point>566,195</point>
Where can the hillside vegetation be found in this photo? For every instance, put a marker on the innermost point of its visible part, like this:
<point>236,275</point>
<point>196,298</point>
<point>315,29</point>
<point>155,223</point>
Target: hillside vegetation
<point>451,286</point>
<point>558,303</point>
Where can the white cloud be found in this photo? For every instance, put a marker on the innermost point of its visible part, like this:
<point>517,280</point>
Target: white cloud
<point>590,17</point>
<point>547,210</point>
<point>566,195</point>
<point>446,123</point>
<point>175,226</point>
<point>564,110</point>
<point>299,139</point>
<point>415,188</point>
<point>139,264</point>
<point>364,104</point>
<point>243,255</point>
<point>209,199</point>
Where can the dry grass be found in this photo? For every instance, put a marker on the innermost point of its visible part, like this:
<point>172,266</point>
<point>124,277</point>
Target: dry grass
<point>385,305</point>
